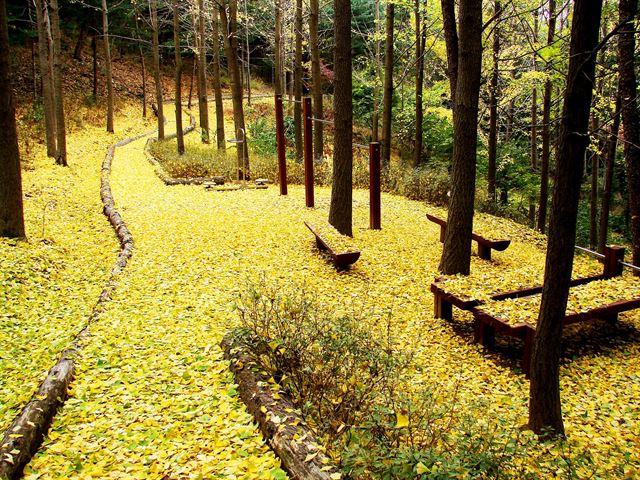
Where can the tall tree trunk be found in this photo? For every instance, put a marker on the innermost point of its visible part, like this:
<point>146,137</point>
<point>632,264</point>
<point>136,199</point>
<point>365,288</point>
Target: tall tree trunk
<point>451,42</point>
<point>279,56</point>
<point>203,107</point>
<point>297,82</point>
<point>387,102</point>
<point>545,413</point>
<point>94,58</point>
<point>456,252</point>
<point>107,64</point>
<point>421,38</point>
<point>628,11</point>
<point>178,78</point>
<point>156,67</point>
<point>61,135</point>
<point>248,51</point>
<point>143,68</point>
<point>612,147</point>
<point>534,123</point>
<point>546,129</point>
<point>217,89</point>
<point>194,73</point>
<point>341,209</point>
<point>316,80</point>
<point>593,201</point>
<point>77,52</point>
<point>378,74</point>
<point>46,72</point>
<point>11,210</point>
<point>231,48</point>
<point>493,109</point>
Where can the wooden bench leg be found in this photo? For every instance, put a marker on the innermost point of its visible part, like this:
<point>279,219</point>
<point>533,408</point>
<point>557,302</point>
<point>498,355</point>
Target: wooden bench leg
<point>484,334</point>
<point>442,308</point>
<point>611,318</point>
<point>528,349</point>
<point>443,229</point>
<point>484,252</point>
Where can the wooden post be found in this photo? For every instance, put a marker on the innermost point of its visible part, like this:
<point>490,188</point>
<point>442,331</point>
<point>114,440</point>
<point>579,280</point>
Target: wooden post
<point>612,258</point>
<point>308,151</point>
<point>281,145</point>
<point>374,186</point>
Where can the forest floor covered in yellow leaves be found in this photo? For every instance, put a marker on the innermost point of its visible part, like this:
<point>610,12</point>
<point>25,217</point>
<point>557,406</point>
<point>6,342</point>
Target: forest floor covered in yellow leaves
<point>153,397</point>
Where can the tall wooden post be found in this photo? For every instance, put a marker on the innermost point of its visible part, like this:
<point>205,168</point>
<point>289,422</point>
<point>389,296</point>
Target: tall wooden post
<point>374,186</point>
<point>308,151</point>
<point>281,145</point>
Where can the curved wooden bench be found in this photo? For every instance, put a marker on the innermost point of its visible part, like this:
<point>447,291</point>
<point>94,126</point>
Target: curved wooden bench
<point>342,257</point>
<point>485,245</point>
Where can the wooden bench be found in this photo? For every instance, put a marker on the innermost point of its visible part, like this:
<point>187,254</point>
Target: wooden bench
<point>485,245</point>
<point>443,300</point>
<point>486,326</point>
<point>342,252</point>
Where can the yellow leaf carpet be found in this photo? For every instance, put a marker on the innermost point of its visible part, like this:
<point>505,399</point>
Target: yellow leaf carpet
<point>154,399</point>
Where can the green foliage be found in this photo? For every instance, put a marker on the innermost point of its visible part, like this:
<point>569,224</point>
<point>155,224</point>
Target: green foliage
<point>437,131</point>
<point>362,94</point>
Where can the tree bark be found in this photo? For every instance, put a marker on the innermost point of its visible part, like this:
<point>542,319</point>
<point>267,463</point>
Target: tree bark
<point>61,136</point>
<point>107,63</point>
<point>279,64</point>
<point>421,38</point>
<point>11,210</point>
<point>378,74</point>
<point>546,130</point>
<point>297,82</point>
<point>341,209</point>
<point>605,206</point>
<point>178,78</point>
<point>77,52</point>
<point>456,251</point>
<point>593,200</point>
<point>94,56</point>
<point>387,101</point>
<point>545,413</point>
<point>156,67</point>
<point>451,42</point>
<point>46,72</point>
<point>231,47</point>
<point>203,107</point>
<point>217,89</point>
<point>493,109</point>
<point>628,11</point>
<point>316,81</point>
<point>143,68</point>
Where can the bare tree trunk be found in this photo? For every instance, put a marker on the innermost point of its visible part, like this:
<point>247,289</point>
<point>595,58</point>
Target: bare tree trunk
<point>387,102</point>
<point>378,74</point>
<point>628,11</point>
<point>94,57</point>
<point>77,52</point>
<point>493,109</point>
<point>545,412</point>
<point>178,78</point>
<point>194,72</point>
<point>341,209</point>
<point>11,210</point>
<point>546,130</point>
<point>143,68</point>
<point>456,251</point>
<point>593,203</point>
<point>279,65</point>
<point>612,146</point>
<point>156,67</point>
<point>451,41</point>
<point>61,140</point>
<point>107,63</point>
<point>231,48</point>
<point>316,81</point>
<point>246,37</point>
<point>217,90</point>
<point>297,82</point>
<point>46,72</point>
<point>421,38</point>
<point>203,106</point>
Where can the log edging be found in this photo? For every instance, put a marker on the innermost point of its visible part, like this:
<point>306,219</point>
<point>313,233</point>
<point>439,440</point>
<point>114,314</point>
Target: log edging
<point>284,429</point>
<point>25,434</point>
